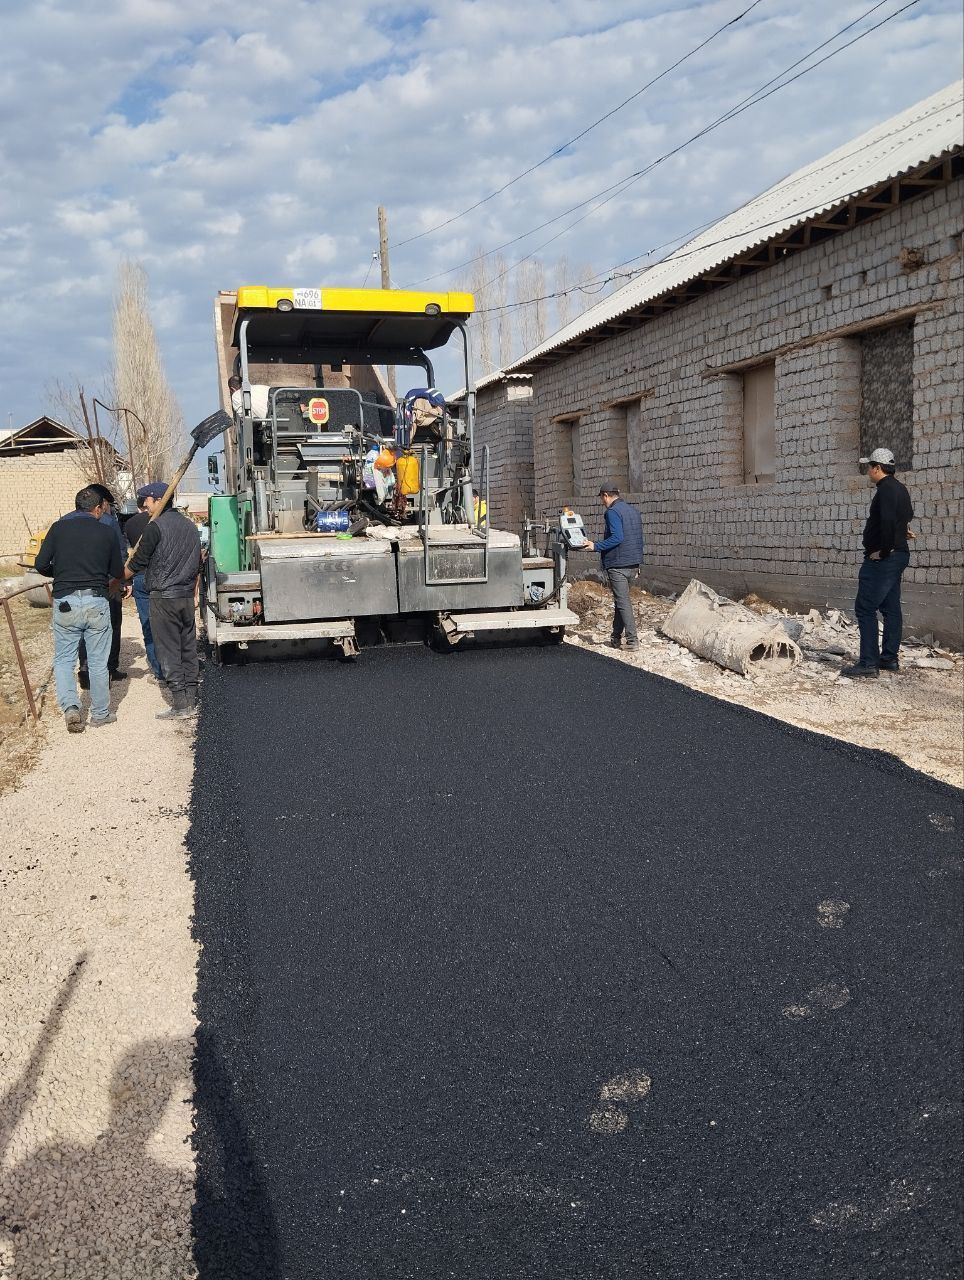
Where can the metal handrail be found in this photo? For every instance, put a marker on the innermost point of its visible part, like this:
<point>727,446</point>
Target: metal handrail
<point>5,601</point>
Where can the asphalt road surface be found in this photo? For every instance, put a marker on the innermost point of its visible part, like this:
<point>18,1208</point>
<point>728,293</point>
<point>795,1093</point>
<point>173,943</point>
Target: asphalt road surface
<point>523,963</point>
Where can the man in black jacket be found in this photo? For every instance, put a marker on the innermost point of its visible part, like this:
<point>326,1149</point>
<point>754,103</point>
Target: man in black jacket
<point>886,556</point>
<point>81,555</point>
<point>169,556</point>
<point>114,603</point>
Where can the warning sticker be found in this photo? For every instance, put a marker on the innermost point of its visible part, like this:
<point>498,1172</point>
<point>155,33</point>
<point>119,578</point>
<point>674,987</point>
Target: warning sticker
<point>318,410</point>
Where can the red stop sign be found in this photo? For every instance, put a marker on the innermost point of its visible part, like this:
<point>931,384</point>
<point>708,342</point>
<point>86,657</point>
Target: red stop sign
<point>318,410</point>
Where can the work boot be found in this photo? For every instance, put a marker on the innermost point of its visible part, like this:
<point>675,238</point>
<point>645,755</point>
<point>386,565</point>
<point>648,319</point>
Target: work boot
<point>615,642</point>
<point>74,720</point>
<point>110,718</point>
<point>889,664</point>
<point>178,710</point>
<point>117,675</point>
<point>632,644</point>
<point>861,670</point>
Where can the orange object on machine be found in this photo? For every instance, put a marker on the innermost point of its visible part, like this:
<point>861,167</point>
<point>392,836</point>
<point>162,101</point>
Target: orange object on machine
<point>385,460</point>
<point>407,470</point>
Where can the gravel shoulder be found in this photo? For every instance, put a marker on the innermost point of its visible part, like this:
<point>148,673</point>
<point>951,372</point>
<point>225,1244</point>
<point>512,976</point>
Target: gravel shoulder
<point>915,715</point>
<point>96,1014</point>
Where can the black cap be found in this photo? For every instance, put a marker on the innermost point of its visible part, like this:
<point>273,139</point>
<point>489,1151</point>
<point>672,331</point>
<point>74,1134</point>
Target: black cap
<point>610,490</point>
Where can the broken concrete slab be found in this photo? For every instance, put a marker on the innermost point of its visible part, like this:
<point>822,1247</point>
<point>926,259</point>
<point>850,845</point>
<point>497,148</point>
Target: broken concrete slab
<point>729,634</point>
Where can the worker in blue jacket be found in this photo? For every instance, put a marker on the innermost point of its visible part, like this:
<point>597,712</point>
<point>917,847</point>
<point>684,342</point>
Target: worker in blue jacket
<point>622,554</point>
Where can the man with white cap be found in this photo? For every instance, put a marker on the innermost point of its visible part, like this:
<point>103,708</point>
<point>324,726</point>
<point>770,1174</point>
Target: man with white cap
<point>886,555</point>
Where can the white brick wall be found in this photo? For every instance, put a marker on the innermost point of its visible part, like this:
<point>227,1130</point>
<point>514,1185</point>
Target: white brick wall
<point>34,490</point>
<point>800,535</point>
<point>504,423</point>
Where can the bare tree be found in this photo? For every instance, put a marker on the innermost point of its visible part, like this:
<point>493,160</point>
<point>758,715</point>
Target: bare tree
<point>540,305</point>
<point>499,293</point>
<point>588,286</point>
<point>562,287</point>
<point>140,382</point>
<point>74,406</point>
<point>482,320</point>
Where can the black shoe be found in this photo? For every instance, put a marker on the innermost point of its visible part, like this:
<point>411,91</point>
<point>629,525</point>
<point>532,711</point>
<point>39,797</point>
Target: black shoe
<point>861,670</point>
<point>632,644</point>
<point>615,642</point>
<point>888,665</point>
<point>117,675</point>
<point>83,678</point>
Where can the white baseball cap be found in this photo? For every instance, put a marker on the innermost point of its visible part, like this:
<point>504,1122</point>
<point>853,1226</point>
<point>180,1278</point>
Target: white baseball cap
<point>883,456</point>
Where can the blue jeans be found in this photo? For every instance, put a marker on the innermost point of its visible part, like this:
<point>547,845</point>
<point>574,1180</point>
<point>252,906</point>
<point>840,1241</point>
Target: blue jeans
<point>87,618</point>
<point>878,588</point>
<point>142,599</point>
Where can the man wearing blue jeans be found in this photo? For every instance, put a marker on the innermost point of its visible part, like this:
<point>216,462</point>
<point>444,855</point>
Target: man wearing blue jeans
<point>133,529</point>
<point>81,555</point>
<point>886,556</point>
<point>622,554</point>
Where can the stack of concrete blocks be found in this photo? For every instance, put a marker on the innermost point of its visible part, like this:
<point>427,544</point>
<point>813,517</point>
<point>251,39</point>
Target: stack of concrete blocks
<point>656,405</point>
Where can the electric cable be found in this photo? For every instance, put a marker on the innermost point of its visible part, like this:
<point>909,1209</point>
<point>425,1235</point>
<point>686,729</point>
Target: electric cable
<point>764,91</point>
<point>579,136</point>
<point>682,238</point>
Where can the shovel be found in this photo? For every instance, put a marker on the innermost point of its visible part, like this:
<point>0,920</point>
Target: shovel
<point>203,434</point>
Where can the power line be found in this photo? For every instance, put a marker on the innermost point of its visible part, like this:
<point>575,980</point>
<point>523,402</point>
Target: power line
<point>579,136</point>
<point>617,188</point>
<point>613,273</point>
<point>745,105</point>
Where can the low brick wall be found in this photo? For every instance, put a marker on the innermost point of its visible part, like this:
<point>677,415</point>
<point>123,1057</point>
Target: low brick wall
<point>34,490</point>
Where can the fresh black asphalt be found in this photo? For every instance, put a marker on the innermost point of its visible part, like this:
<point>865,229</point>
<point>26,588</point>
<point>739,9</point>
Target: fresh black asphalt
<point>444,900</point>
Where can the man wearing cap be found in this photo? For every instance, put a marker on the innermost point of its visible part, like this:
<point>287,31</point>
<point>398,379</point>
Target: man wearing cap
<point>622,554</point>
<point>82,556</point>
<point>886,555</point>
<point>169,556</point>
<point>133,529</point>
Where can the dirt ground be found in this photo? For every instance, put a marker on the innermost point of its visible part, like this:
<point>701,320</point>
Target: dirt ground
<point>97,988</point>
<point>20,738</point>
<point>916,714</point>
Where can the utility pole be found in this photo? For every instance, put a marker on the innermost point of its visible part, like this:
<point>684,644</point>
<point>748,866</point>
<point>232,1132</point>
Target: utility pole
<point>386,275</point>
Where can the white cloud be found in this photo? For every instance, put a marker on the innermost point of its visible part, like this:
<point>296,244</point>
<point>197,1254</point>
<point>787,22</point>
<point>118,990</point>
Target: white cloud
<point>236,141</point>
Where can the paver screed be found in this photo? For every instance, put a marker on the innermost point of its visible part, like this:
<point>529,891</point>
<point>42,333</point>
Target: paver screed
<point>521,963</point>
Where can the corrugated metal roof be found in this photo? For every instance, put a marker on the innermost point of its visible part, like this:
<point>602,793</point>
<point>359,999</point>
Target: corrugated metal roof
<point>897,146</point>
<point>500,375</point>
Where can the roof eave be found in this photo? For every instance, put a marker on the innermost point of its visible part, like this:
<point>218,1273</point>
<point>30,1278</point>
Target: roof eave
<point>853,210</point>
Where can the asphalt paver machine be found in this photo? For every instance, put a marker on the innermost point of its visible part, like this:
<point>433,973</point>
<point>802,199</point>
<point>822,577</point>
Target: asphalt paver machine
<point>350,515</point>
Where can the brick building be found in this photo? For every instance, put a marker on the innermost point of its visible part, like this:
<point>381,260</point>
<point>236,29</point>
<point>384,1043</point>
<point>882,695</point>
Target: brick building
<point>42,465</point>
<point>731,388</point>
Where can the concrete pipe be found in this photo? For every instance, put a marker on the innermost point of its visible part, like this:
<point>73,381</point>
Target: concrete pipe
<point>729,634</point>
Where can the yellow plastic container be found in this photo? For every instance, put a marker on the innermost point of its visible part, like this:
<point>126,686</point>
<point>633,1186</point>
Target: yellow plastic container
<point>407,470</point>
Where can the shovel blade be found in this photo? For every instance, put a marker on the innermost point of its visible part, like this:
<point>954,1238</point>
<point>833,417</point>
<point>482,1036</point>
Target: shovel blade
<point>208,428</point>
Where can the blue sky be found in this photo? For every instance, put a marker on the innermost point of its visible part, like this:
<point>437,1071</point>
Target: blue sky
<point>237,142</point>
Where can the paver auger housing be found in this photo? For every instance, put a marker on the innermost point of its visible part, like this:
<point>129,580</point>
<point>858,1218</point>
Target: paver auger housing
<point>348,513</point>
